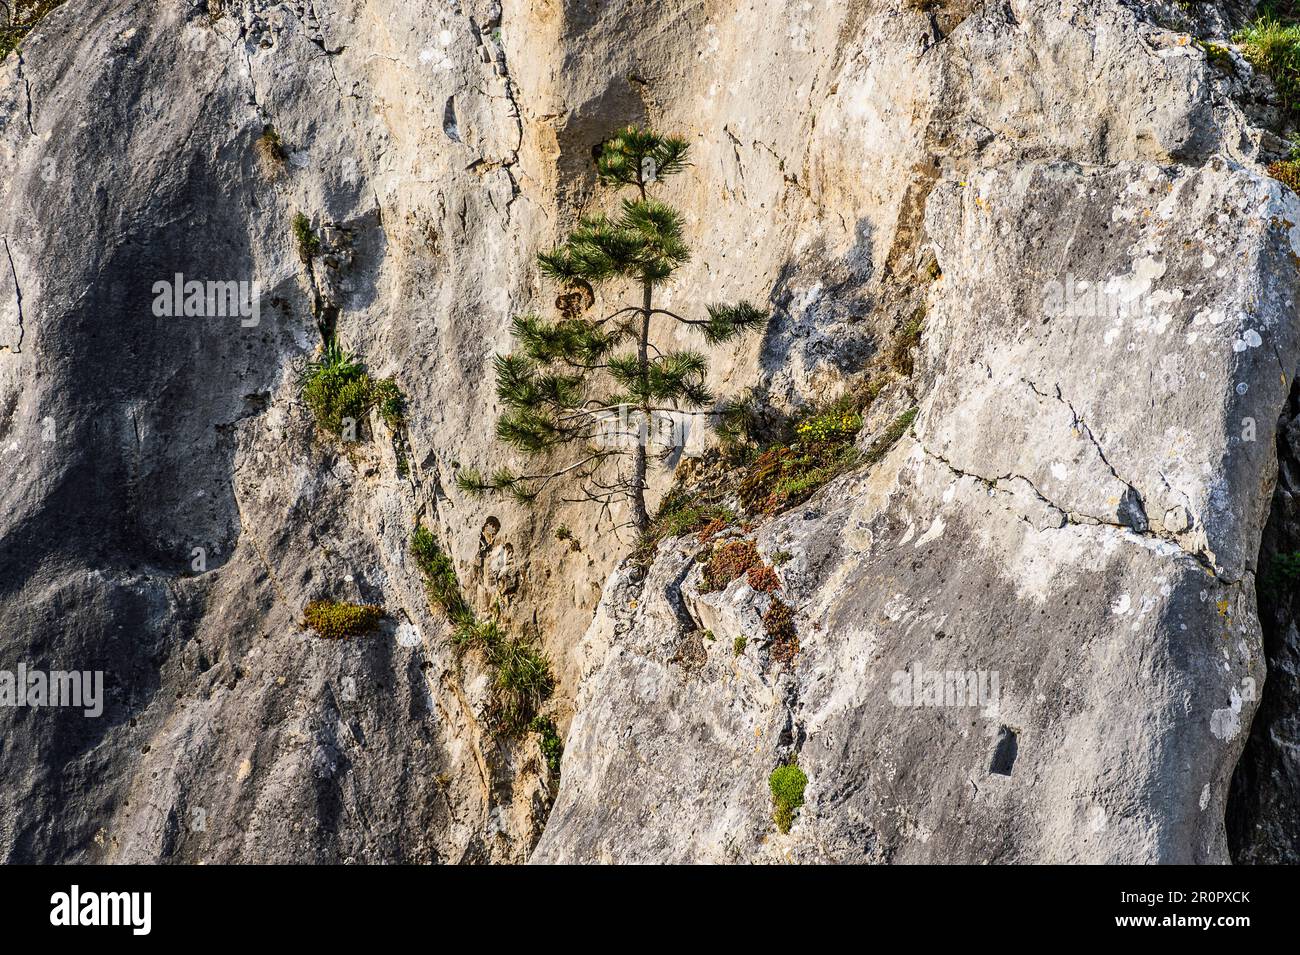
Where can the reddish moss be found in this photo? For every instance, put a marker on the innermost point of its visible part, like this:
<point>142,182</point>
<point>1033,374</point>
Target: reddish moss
<point>728,562</point>
<point>715,526</point>
<point>778,624</point>
<point>763,578</point>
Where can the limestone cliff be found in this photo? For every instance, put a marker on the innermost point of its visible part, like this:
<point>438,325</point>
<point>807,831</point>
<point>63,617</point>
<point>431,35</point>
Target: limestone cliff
<point>1039,236</point>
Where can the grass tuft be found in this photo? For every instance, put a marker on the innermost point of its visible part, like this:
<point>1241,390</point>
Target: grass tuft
<point>305,239</point>
<point>1273,47</point>
<point>337,389</point>
<point>521,673</point>
<point>271,151</point>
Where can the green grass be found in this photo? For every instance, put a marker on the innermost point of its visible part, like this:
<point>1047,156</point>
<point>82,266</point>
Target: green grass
<point>552,744</point>
<point>1273,47</point>
<point>26,14</point>
<point>521,673</point>
<point>336,389</point>
<point>787,784</point>
<point>680,512</point>
<point>305,238</point>
<point>335,620</point>
<point>787,474</point>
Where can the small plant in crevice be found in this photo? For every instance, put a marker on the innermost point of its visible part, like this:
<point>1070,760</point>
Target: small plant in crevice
<point>1287,171</point>
<point>908,338</point>
<point>521,672</point>
<point>782,636</point>
<point>728,561</point>
<point>336,389</point>
<point>763,579</point>
<point>1215,54</point>
<point>551,742</point>
<point>271,152</point>
<point>787,784</point>
<point>340,394</point>
<point>305,239</point>
<point>883,444</point>
<point>738,645</point>
<point>336,620</point>
<point>1273,47</point>
<point>390,403</point>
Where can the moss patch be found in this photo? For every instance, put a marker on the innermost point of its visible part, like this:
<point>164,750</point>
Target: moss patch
<point>727,562</point>
<point>305,239</point>
<point>334,620</point>
<point>787,784</point>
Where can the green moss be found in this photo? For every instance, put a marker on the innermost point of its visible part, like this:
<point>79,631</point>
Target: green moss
<point>738,645</point>
<point>552,744</point>
<point>1274,48</point>
<point>787,784</point>
<point>305,239</point>
<point>338,621</point>
<point>26,14</point>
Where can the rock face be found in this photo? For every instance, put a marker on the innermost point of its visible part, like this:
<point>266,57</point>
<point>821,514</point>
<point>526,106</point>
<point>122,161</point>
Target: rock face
<point>1071,195</point>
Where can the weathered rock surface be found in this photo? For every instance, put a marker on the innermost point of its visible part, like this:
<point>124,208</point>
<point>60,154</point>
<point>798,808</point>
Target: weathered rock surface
<point>1078,505</point>
<point>1077,509</point>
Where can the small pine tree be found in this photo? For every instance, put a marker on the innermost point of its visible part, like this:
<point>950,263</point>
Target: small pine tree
<point>601,387</point>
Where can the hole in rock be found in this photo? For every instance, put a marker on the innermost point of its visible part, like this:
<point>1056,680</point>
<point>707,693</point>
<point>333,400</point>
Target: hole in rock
<point>1004,752</point>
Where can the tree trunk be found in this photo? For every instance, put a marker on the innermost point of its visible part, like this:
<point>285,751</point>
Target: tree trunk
<point>640,515</point>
